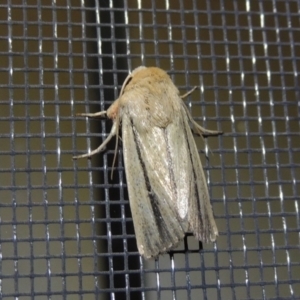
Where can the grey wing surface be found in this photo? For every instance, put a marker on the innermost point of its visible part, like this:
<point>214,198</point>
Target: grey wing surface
<point>166,185</point>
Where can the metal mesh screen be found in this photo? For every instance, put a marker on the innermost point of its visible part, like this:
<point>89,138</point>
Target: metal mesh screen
<point>65,227</point>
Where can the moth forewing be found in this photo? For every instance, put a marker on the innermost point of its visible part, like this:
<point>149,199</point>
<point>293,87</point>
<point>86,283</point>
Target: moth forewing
<point>202,222</point>
<point>167,188</point>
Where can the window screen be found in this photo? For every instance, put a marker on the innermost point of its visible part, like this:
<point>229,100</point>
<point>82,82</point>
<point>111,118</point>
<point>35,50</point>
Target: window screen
<point>66,230</point>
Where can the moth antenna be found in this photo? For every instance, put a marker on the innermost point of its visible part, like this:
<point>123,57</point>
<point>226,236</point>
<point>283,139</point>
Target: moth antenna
<point>128,78</point>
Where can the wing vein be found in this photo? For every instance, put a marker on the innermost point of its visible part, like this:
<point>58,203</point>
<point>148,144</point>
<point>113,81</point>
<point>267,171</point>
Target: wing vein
<point>154,201</point>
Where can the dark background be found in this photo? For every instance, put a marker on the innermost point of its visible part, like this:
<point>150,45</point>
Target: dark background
<point>65,226</point>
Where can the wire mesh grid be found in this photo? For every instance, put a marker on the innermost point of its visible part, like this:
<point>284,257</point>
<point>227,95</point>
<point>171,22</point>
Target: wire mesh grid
<point>66,230</point>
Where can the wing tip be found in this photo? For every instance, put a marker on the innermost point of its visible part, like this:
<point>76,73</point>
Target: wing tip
<point>210,237</point>
<point>154,253</point>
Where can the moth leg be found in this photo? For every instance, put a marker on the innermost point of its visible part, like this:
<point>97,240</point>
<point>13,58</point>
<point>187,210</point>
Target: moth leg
<point>188,93</point>
<point>95,115</point>
<point>199,130</point>
<point>112,133</point>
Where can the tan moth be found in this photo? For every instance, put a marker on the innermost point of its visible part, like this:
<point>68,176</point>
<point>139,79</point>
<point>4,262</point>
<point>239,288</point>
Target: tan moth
<point>167,188</point>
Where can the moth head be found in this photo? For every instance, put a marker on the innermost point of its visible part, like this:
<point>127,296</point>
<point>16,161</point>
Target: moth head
<point>137,69</point>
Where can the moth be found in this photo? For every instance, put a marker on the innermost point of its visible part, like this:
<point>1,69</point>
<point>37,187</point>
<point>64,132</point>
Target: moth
<point>167,188</point>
